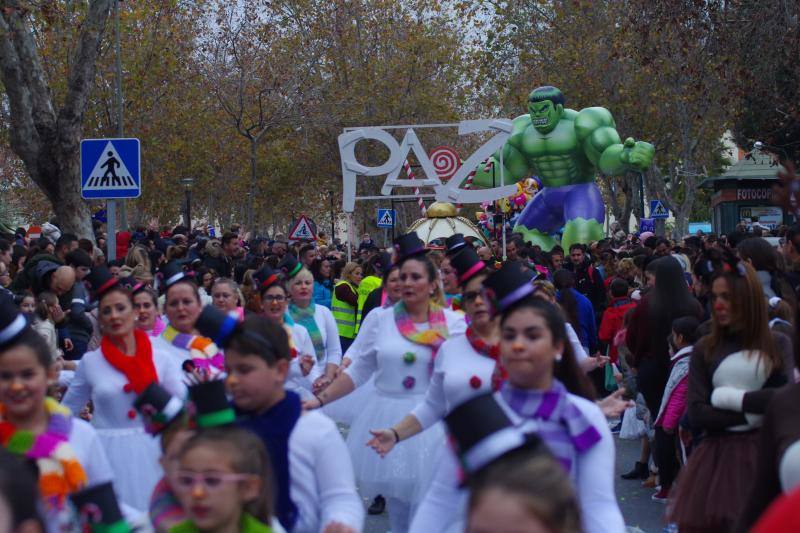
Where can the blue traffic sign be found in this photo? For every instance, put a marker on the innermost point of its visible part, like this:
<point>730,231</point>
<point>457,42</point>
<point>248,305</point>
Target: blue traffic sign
<point>386,218</point>
<point>647,224</point>
<point>658,209</point>
<point>110,168</point>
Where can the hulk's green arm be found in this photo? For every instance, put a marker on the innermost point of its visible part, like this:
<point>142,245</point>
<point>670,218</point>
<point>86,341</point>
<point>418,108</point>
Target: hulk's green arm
<point>514,162</point>
<point>597,132</point>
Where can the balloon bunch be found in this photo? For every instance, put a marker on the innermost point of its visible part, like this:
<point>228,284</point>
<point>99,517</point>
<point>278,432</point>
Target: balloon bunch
<point>510,206</point>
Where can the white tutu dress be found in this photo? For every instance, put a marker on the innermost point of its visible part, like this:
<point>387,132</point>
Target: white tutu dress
<point>402,371</point>
<point>132,453</point>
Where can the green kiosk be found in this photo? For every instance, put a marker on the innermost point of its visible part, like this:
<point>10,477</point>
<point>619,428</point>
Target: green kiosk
<point>744,194</point>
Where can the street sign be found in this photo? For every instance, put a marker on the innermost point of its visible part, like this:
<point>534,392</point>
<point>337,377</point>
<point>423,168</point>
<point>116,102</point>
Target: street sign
<point>386,218</point>
<point>110,168</point>
<point>658,210</point>
<point>647,224</point>
<point>302,230</point>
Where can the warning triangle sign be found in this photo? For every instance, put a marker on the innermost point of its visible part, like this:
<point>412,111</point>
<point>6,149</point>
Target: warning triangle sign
<point>110,172</point>
<point>386,219</point>
<point>302,230</point>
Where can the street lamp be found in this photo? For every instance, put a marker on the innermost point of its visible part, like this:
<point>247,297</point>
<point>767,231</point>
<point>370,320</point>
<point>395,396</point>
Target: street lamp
<point>187,184</point>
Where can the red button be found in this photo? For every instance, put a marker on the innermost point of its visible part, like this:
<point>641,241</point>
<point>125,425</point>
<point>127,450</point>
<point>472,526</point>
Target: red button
<point>131,414</point>
<point>127,388</point>
<point>475,382</point>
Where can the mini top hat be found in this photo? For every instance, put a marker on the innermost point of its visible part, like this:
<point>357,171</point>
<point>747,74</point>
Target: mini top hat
<point>266,278</point>
<point>216,325</point>
<point>454,243</point>
<point>173,273</point>
<point>467,264</point>
<point>290,266</point>
<point>100,280</point>
<point>211,405</point>
<point>409,245</point>
<point>98,509</point>
<point>12,322</point>
<point>157,407</point>
<point>508,285</point>
<point>132,285</point>
<point>482,433</point>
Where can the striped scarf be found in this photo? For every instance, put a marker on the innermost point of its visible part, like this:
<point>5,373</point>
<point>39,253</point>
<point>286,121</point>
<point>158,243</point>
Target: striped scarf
<point>305,317</point>
<point>561,425</point>
<point>433,337</point>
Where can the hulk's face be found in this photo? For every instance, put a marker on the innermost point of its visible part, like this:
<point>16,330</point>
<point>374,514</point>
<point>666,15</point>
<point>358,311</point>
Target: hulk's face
<point>545,115</point>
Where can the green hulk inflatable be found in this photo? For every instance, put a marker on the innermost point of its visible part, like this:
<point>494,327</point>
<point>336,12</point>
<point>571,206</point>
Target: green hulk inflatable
<point>565,149</point>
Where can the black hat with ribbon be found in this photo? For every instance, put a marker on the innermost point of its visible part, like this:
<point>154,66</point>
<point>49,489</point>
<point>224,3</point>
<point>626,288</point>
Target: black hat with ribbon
<point>290,266</point>
<point>100,280</point>
<point>98,509</point>
<point>158,408</point>
<point>507,286</point>
<point>216,325</point>
<point>173,273</point>
<point>467,264</point>
<point>482,433</point>
<point>12,322</point>
<point>454,244</point>
<point>266,277</point>
<point>409,245</point>
<point>211,407</point>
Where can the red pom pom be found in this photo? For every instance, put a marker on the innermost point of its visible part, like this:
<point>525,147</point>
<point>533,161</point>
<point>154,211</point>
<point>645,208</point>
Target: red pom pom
<point>128,388</point>
<point>131,414</point>
<point>475,382</point>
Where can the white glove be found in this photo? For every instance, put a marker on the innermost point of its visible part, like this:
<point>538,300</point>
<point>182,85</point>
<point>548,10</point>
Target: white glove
<point>728,398</point>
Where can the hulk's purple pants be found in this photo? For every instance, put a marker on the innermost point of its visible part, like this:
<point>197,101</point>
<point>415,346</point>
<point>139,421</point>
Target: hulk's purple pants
<point>553,207</point>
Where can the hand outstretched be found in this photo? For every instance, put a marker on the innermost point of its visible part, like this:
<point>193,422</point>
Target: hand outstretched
<point>382,441</point>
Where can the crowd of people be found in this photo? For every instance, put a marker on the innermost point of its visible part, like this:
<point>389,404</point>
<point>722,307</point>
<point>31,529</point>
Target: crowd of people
<point>220,384</point>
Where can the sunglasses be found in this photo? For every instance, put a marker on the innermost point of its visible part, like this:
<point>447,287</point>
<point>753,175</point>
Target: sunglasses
<point>470,296</point>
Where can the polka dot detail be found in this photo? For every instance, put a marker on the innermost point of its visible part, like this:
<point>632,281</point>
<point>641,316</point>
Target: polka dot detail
<point>409,382</point>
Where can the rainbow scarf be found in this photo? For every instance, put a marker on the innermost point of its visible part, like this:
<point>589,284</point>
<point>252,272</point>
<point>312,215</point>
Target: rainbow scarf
<point>60,473</point>
<point>433,337</point>
<point>202,351</point>
<point>305,317</point>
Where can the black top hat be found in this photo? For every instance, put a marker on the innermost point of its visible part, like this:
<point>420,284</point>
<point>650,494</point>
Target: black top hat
<point>211,405</point>
<point>157,407</point>
<point>266,277</point>
<point>409,245</point>
<point>132,285</point>
<point>454,243</point>
<point>216,325</point>
<point>290,266</point>
<point>100,280</point>
<point>507,286</point>
<point>173,273</point>
<point>483,433</point>
<point>467,264</point>
<point>12,322</point>
<point>98,509</point>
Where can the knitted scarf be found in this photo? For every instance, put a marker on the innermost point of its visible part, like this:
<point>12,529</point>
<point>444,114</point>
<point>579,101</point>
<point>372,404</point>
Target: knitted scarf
<point>274,427</point>
<point>202,351</point>
<point>433,337</point>
<point>561,425</point>
<point>305,317</point>
<point>492,351</point>
<point>138,369</point>
<point>60,473</point>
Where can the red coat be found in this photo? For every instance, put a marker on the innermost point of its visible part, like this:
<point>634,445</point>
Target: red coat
<point>613,321</point>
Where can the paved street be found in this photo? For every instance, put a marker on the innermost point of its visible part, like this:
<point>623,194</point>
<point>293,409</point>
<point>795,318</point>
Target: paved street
<point>637,507</point>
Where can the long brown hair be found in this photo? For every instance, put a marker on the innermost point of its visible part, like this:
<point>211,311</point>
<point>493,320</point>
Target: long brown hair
<point>749,315</point>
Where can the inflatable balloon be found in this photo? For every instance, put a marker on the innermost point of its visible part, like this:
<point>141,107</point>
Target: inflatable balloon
<point>565,149</point>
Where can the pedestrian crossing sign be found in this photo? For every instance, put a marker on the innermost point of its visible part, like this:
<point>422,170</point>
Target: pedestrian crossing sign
<point>386,218</point>
<point>658,210</point>
<point>110,168</point>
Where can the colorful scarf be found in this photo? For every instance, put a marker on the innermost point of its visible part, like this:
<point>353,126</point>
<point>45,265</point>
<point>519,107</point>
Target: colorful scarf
<point>158,327</point>
<point>433,337</point>
<point>492,351</point>
<point>138,369</point>
<point>202,351</point>
<point>305,317</point>
<point>60,473</point>
<point>561,425</point>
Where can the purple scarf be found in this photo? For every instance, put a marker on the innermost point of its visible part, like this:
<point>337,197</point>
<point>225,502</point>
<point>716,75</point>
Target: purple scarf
<point>562,426</point>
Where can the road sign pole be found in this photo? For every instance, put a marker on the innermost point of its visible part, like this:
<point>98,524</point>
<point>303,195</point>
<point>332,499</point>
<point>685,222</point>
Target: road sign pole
<point>111,230</point>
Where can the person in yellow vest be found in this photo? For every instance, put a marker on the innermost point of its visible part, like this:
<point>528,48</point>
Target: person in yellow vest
<point>344,303</point>
<point>373,275</point>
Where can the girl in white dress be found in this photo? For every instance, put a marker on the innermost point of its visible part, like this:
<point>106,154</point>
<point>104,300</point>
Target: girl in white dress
<point>112,377</point>
<point>401,345</point>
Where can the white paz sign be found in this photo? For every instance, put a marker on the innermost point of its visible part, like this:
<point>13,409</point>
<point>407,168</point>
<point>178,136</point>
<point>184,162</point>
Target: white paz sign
<point>399,152</point>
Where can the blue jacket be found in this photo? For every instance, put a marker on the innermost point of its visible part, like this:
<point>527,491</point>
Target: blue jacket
<point>323,293</point>
<point>587,332</point>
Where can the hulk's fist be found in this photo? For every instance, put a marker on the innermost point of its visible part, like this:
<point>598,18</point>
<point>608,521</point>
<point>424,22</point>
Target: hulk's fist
<point>638,154</point>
